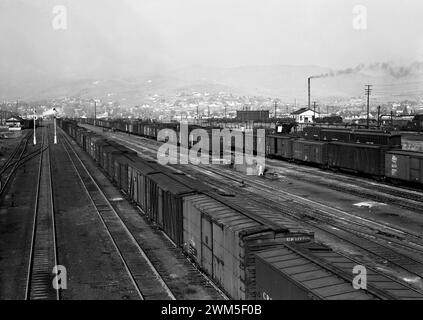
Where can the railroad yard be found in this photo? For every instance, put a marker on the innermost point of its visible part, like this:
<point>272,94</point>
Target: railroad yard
<point>200,159</point>
<point>59,209</point>
<point>119,225</point>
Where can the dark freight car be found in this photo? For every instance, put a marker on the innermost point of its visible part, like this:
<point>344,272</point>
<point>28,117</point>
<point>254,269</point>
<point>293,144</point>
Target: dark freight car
<point>137,181</point>
<point>120,170</point>
<point>222,241</point>
<point>283,273</point>
<point>375,137</point>
<point>356,157</point>
<point>404,165</point>
<point>164,204</point>
<point>279,146</point>
<point>314,152</point>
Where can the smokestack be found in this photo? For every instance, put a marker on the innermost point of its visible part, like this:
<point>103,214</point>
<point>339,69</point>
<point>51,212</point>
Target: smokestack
<point>309,103</point>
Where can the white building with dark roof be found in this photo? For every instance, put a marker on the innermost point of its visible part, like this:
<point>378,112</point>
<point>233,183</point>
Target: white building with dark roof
<point>305,115</point>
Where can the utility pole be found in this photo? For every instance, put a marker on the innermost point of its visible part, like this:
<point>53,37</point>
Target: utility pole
<point>35,138</point>
<point>378,117</point>
<point>314,108</point>
<point>309,89</point>
<point>392,118</point>
<point>95,111</point>
<point>276,105</point>
<point>225,110</point>
<point>55,132</point>
<point>367,90</point>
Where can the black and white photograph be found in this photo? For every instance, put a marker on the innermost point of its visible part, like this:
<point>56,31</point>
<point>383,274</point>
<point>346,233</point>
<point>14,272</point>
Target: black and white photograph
<point>211,152</point>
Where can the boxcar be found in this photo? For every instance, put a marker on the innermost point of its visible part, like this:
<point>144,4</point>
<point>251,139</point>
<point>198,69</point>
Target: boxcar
<point>376,137</point>
<point>120,170</point>
<point>284,273</point>
<point>358,157</point>
<point>164,204</point>
<point>312,133</point>
<point>222,241</point>
<point>96,143</point>
<point>314,152</point>
<point>279,146</point>
<point>333,134</point>
<point>404,165</point>
<point>137,183</point>
<point>106,158</point>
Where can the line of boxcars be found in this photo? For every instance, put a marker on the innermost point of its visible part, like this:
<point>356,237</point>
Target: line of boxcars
<point>233,241</point>
<point>151,130</point>
<point>374,153</point>
<point>369,152</point>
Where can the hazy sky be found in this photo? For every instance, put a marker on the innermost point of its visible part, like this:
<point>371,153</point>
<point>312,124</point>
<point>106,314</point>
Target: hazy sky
<point>124,37</point>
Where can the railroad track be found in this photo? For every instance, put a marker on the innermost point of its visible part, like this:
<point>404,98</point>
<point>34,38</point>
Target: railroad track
<point>408,199</point>
<point>10,166</point>
<point>147,282</point>
<point>43,250</point>
<point>400,233</point>
<point>344,232</point>
<point>404,197</point>
<point>328,223</point>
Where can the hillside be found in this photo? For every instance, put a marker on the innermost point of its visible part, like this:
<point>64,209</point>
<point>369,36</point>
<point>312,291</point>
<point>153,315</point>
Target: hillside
<point>390,82</point>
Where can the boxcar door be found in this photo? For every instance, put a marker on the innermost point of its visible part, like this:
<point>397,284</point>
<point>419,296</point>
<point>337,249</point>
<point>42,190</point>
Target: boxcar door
<point>207,245</point>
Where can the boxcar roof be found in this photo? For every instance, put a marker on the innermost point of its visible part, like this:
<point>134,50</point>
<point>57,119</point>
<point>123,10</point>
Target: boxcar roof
<point>143,166</point>
<point>312,277</point>
<point>168,184</point>
<point>407,153</point>
<point>311,142</point>
<point>358,145</point>
<point>222,214</point>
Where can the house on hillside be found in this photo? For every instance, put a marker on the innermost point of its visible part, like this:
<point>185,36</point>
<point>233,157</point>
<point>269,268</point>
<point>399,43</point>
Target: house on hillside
<point>14,123</point>
<point>305,115</point>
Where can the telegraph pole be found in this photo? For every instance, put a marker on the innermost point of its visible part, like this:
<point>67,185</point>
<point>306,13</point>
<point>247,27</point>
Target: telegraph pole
<point>225,110</point>
<point>55,132</point>
<point>314,108</point>
<point>378,117</point>
<point>95,111</point>
<point>367,90</point>
<point>35,138</point>
<point>276,105</point>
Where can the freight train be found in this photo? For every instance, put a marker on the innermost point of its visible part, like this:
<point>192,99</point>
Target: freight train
<point>374,153</point>
<point>246,251</point>
<point>213,230</point>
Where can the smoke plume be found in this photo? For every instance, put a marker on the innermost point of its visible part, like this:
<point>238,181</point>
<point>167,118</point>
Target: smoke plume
<point>387,67</point>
